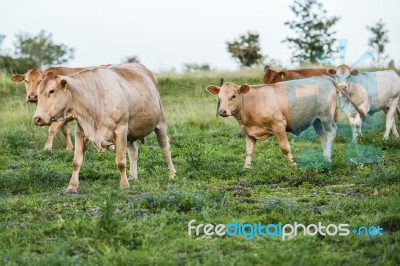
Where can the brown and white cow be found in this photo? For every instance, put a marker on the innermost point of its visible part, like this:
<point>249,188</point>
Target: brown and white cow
<point>272,76</point>
<point>115,106</point>
<point>32,78</point>
<point>274,109</point>
<point>372,91</point>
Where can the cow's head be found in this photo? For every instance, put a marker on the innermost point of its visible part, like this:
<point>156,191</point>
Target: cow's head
<point>230,96</point>
<point>342,74</point>
<point>53,98</point>
<point>272,76</point>
<point>32,78</point>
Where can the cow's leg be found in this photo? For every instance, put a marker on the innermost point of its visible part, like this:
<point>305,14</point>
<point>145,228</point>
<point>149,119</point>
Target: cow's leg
<point>80,147</point>
<point>283,141</point>
<point>120,155</point>
<point>250,145</point>
<point>390,123</point>
<point>330,132</point>
<point>394,130</point>
<point>163,140</point>
<point>133,157</point>
<point>319,128</point>
<point>67,135</point>
<point>355,123</point>
<point>53,128</point>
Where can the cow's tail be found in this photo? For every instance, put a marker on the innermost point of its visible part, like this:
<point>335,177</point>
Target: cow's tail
<point>360,112</point>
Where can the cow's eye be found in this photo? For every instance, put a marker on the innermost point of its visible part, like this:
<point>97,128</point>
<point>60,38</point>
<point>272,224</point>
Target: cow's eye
<point>51,92</point>
<point>233,97</point>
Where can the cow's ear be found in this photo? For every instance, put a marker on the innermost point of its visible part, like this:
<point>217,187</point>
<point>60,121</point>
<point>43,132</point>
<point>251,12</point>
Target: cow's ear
<point>214,90</point>
<point>354,72</point>
<point>266,69</point>
<point>282,75</point>
<point>332,71</point>
<point>64,84</point>
<point>18,78</point>
<point>244,88</point>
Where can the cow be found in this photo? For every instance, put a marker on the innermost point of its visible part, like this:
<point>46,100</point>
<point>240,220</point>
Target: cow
<point>32,78</point>
<point>112,106</point>
<point>372,91</point>
<point>272,76</point>
<point>274,109</point>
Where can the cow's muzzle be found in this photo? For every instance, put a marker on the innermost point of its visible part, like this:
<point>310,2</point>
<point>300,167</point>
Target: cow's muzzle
<point>223,113</point>
<point>343,87</point>
<point>32,99</point>
<point>39,121</point>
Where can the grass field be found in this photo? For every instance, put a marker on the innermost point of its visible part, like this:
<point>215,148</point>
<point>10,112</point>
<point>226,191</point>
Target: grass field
<point>147,224</point>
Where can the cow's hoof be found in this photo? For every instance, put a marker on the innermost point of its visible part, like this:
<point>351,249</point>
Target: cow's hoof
<point>124,186</point>
<point>71,191</point>
<point>247,166</point>
<point>70,148</point>
<point>132,178</point>
<point>293,164</point>
<point>327,159</point>
<point>48,148</point>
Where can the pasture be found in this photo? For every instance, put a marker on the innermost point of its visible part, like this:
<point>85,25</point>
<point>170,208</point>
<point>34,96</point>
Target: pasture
<point>147,224</point>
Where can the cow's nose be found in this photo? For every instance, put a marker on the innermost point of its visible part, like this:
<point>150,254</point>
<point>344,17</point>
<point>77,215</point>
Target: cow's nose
<point>37,120</point>
<point>222,112</point>
<point>343,87</point>
<point>32,98</point>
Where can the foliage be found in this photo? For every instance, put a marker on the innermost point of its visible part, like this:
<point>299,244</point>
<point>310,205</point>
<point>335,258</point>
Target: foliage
<point>314,38</point>
<point>193,67</point>
<point>132,59</point>
<point>34,51</point>
<point>378,41</point>
<point>41,49</point>
<point>147,224</point>
<point>246,49</point>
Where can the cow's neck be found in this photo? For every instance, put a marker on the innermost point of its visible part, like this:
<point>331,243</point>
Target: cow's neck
<point>244,114</point>
<point>87,112</point>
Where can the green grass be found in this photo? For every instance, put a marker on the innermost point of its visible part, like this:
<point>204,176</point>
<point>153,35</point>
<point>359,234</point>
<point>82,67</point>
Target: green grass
<point>148,222</point>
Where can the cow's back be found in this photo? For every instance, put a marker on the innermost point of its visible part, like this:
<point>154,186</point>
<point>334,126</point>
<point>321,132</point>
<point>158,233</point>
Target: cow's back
<point>120,95</point>
<point>64,71</point>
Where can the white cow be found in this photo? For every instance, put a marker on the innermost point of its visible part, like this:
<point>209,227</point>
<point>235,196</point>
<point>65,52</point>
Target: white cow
<point>372,92</point>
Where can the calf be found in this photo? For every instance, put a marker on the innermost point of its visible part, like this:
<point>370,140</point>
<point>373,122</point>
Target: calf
<point>115,106</point>
<point>372,91</point>
<point>292,106</point>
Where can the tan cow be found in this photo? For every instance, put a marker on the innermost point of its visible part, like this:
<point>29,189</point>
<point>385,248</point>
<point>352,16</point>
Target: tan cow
<point>274,109</point>
<point>272,76</point>
<point>115,106</point>
<point>32,78</point>
<point>372,91</point>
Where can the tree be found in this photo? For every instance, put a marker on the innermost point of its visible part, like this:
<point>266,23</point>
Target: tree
<point>246,49</point>
<point>315,38</point>
<point>380,37</point>
<point>2,37</point>
<point>41,49</point>
<point>193,67</point>
<point>132,59</point>
<point>10,64</point>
